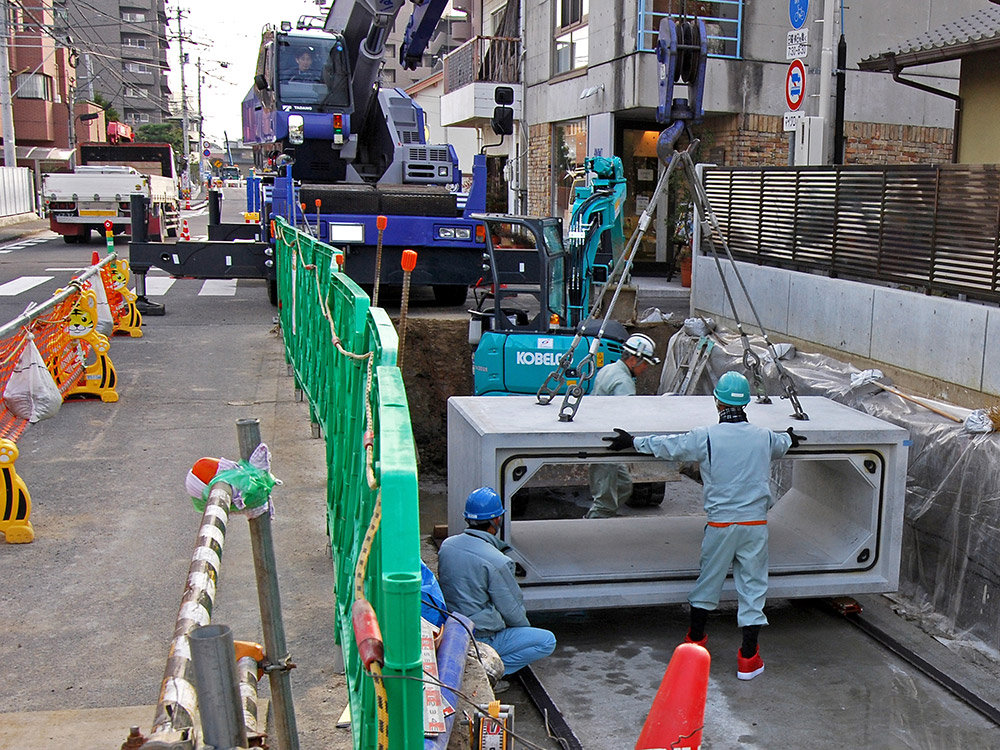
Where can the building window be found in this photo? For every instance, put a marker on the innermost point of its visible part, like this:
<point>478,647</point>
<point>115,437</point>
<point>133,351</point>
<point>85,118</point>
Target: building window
<point>136,93</point>
<point>572,35</point>
<point>138,68</point>
<point>723,24</point>
<point>137,117</point>
<point>133,16</point>
<point>33,86</point>
<point>569,149</point>
<point>134,41</point>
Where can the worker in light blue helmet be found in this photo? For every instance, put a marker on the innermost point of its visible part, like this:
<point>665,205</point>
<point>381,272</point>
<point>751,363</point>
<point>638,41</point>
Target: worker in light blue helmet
<point>611,483</point>
<point>477,579</point>
<point>735,458</point>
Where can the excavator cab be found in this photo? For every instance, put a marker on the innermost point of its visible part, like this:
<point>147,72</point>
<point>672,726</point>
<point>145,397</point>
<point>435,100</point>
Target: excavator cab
<point>526,313</point>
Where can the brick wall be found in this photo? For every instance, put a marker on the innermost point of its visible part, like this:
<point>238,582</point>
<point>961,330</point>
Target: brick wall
<point>874,143</point>
<point>759,140</point>
<point>539,170</point>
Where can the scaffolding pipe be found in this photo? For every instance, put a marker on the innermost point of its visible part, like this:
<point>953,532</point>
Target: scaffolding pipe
<point>246,672</point>
<point>214,660</point>
<point>248,434</point>
<point>176,709</point>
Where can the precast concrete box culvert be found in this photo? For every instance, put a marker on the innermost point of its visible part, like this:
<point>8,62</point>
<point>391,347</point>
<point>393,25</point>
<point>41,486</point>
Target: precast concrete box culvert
<point>835,528</point>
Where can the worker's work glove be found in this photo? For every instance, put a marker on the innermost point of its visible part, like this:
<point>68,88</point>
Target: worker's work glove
<point>620,441</point>
<point>796,439</point>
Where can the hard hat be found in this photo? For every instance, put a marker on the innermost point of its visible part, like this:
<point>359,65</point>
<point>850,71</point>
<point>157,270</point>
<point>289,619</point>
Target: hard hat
<point>733,389</point>
<point>483,504</point>
<point>640,345</point>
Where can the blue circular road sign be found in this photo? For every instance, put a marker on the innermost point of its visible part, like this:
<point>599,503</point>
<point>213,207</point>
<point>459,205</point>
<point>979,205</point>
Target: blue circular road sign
<point>797,11</point>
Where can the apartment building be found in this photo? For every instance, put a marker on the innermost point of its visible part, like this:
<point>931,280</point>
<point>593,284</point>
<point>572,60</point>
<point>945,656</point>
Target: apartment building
<point>589,85</point>
<point>122,47</point>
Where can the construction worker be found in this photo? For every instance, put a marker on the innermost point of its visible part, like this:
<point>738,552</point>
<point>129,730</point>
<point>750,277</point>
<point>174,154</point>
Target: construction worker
<point>611,484</point>
<point>477,580</point>
<point>735,459</point>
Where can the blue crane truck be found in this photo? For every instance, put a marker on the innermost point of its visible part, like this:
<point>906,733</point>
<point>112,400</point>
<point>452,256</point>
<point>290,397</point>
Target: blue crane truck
<point>334,151</point>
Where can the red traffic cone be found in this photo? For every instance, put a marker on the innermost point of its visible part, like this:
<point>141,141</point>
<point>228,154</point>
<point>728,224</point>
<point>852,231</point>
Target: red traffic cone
<point>95,258</point>
<point>187,204</point>
<point>677,715</point>
<point>185,232</point>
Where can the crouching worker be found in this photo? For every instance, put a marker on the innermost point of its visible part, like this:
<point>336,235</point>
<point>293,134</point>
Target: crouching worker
<point>477,580</point>
<point>735,459</point>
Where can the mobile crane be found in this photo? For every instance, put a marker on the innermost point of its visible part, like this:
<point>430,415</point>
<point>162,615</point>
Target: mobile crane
<point>334,151</point>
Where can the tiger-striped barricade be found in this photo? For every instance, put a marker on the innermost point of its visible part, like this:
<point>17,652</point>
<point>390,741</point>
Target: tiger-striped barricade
<point>64,329</point>
<point>343,355</point>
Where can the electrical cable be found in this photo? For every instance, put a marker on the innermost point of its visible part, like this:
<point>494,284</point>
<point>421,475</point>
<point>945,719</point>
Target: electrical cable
<point>431,604</point>
<point>475,706</point>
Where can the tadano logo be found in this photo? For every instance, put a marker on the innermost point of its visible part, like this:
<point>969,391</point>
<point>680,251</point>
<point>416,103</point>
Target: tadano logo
<point>550,359</point>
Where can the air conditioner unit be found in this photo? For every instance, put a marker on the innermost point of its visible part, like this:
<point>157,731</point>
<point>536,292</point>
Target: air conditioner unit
<point>809,142</point>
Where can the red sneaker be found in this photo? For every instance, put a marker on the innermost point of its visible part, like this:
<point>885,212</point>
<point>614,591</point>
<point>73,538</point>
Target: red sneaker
<point>702,642</point>
<point>747,669</point>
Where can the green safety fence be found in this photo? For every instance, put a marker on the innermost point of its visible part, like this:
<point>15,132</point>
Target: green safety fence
<point>346,387</point>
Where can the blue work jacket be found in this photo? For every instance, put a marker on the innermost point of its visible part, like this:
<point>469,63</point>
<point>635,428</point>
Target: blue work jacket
<point>477,580</point>
<point>614,380</point>
<point>735,460</point>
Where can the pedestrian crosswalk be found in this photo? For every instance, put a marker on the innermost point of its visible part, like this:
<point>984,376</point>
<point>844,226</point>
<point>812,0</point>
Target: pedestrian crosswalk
<point>21,284</point>
<point>157,285</point>
<point>23,244</point>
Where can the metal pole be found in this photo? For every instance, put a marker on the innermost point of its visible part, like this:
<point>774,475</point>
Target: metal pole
<point>214,661</point>
<point>826,73</point>
<point>248,435</point>
<point>6,105</point>
<point>185,124</point>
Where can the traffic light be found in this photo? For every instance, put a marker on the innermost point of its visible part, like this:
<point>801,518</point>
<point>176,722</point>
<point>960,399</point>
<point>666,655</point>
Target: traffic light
<point>503,115</point>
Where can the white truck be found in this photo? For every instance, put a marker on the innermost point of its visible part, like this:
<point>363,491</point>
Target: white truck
<point>101,187</point>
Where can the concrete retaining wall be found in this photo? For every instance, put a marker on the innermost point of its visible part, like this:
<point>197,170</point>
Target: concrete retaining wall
<point>940,338</point>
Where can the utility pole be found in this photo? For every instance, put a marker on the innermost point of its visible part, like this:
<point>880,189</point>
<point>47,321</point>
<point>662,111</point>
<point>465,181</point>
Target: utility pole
<point>826,74</point>
<point>201,132</point>
<point>184,107</point>
<point>6,105</point>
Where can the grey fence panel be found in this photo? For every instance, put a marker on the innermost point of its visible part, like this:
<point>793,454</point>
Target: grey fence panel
<point>17,191</point>
<point>935,227</point>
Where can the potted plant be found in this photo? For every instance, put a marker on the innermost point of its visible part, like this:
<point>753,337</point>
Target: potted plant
<point>682,243</point>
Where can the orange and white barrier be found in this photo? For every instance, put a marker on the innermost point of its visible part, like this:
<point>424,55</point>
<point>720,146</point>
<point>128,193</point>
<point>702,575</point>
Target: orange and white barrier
<point>185,231</point>
<point>64,330</point>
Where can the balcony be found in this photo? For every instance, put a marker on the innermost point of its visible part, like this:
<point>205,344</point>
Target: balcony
<point>472,73</point>
<point>486,59</point>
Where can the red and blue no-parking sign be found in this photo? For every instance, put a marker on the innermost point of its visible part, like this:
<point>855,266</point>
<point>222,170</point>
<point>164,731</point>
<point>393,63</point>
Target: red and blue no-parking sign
<point>795,85</point>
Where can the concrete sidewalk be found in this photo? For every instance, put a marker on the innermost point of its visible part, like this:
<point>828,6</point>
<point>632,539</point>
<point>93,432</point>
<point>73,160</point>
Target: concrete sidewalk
<point>20,226</point>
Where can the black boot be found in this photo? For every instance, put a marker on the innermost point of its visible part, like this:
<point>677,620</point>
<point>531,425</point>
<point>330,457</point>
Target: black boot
<point>696,634</point>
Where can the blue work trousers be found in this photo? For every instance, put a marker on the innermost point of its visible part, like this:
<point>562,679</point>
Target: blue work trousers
<point>745,549</point>
<point>518,647</point>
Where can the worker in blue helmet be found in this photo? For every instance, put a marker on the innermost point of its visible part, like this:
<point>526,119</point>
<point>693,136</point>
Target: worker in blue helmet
<point>735,459</point>
<point>477,580</point>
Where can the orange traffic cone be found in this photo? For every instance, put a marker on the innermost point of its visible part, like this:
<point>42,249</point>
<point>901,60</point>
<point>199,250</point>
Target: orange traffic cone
<point>95,258</point>
<point>185,232</point>
<point>187,204</point>
<point>678,712</point>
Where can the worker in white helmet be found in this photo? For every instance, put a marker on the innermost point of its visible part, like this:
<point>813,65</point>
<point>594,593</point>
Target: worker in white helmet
<point>735,458</point>
<point>611,484</point>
